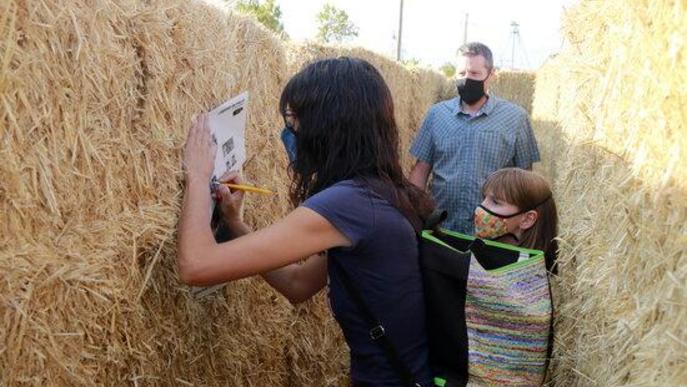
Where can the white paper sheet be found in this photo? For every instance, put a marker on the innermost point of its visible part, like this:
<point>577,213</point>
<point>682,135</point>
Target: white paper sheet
<point>227,124</point>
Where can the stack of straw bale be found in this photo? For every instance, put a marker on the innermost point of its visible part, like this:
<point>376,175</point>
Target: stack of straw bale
<point>95,101</point>
<point>611,117</point>
<point>515,86</point>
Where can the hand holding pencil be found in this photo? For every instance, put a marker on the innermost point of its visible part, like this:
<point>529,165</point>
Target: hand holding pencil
<point>230,192</point>
<point>230,203</point>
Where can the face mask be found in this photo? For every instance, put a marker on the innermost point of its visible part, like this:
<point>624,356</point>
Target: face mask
<point>288,138</point>
<point>470,90</point>
<point>490,225</point>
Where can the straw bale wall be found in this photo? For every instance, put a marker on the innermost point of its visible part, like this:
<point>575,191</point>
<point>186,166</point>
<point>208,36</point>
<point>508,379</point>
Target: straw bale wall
<point>610,113</point>
<point>515,86</point>
<point>95,100</point>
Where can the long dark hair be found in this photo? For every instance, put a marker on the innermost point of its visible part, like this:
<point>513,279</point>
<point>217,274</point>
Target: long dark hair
<point>346,131</point>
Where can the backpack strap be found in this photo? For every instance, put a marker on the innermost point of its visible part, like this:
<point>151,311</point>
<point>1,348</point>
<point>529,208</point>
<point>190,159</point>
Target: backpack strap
<point>549,349</point>
<point>435,219</point>
<point>377,331</point>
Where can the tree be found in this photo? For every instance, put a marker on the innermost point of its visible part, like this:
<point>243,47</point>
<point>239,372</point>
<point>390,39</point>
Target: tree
<point>411,62</point>
<point>448,69</point>
<point>334,25</point>
<point>268,13</point>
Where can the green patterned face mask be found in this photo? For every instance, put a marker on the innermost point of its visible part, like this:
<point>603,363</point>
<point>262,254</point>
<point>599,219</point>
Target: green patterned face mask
<point>490,225</point>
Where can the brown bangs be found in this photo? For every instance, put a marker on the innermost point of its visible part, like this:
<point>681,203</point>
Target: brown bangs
<point>525,189</point>
<point>504,185</point>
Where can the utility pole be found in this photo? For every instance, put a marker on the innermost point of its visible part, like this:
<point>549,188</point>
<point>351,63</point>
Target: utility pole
<point>400,33</point>
<point>465,30</point>
<point>515,34</point>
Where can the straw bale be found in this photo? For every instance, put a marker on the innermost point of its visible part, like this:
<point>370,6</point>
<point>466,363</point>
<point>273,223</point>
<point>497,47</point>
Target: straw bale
<point>449,90</point>
<point>610,110</point>
<point>545,117</point>
<point>196,73</point>
<point>96,100</point>
<point>515,86</point>
<point>66,83</point>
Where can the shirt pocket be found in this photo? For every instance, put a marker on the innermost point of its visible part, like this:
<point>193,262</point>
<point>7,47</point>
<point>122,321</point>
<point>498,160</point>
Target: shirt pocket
<point>494,147</point>
<point>451,146</point>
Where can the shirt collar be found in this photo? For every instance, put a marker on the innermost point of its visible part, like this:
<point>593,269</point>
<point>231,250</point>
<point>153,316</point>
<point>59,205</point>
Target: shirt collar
<point>486,109</point>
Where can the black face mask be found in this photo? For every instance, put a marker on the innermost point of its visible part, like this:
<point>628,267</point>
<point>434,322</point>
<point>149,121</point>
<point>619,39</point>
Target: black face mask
<point>470,90</point>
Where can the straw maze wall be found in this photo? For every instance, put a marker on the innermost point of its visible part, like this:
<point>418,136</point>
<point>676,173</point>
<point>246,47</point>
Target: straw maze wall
<point>610,114</point>
<point>96,98</point>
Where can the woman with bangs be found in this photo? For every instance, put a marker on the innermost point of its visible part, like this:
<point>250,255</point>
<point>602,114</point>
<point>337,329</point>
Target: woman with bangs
<point>519,209</point>
<point>352,200</point>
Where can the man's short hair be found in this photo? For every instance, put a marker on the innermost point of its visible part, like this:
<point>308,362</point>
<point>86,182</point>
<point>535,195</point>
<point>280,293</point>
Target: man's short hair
<point>476,48</point>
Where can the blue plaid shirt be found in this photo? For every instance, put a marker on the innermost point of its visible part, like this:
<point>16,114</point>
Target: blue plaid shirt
<point>463,150</point>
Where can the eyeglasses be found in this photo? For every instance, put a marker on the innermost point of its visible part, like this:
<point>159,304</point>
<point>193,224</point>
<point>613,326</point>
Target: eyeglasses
<point>289,118</point>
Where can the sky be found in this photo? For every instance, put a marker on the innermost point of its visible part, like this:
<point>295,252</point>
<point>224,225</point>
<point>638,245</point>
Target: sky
<point>433,29</point>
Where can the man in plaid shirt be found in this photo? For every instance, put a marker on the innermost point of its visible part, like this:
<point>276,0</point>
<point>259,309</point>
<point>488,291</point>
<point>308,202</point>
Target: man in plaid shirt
<point>464,139</point>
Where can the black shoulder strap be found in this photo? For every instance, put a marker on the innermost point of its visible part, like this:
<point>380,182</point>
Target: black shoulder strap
<point>435,219</point>
<point>549,349</point>
<point>377,332</point>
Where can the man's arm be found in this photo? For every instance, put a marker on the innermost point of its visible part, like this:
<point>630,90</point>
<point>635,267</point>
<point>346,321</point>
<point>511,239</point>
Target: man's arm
<point>526,149</point>
<point>423,151</point>
<point>420,173</point>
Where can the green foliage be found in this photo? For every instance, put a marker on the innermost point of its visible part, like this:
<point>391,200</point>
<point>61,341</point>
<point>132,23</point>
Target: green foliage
<point>334,25</point>
<point>411,62</point>
<point>449,69</point>
<point>267,12</point>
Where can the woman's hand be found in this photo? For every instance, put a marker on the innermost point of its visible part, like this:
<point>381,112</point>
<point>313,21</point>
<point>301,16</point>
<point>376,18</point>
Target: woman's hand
<point>199,151</point>
<point>230,203</point>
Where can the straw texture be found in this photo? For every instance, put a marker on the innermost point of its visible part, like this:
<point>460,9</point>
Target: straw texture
<point>95,101</point>
<point>611,115</point>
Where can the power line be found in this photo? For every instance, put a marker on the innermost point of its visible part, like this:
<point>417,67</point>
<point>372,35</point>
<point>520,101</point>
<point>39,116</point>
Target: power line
<point>465,30</point>
<point>514,33</point>
<point>400,32</point>
<point>524,51</point>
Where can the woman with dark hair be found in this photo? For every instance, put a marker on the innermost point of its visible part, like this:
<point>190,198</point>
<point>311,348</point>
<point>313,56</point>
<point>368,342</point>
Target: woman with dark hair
<point>352,200</point>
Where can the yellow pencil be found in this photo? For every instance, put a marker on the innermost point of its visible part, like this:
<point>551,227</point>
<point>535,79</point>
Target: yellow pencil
<point>248,188</point>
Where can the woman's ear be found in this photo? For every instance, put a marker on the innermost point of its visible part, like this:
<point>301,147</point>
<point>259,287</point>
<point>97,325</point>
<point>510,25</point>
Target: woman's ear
<point>529,220</point>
